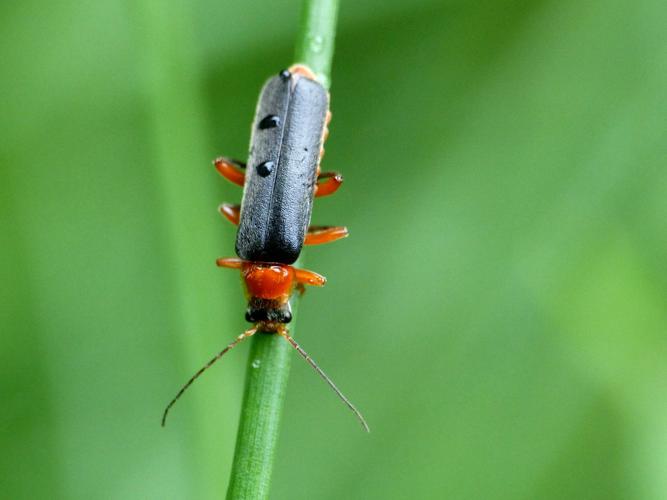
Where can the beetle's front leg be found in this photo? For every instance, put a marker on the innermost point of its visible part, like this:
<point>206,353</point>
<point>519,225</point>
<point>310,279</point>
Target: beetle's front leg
<point>229,262</point>
<point>318,235</point>
<point>231,170</point>
<point>304,277</point>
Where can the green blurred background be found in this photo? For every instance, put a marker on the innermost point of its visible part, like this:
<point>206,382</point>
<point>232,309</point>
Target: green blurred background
<point>498,313</point>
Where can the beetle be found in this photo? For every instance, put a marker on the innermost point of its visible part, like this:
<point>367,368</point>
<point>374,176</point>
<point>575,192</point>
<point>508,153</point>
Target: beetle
<point>280,181</point>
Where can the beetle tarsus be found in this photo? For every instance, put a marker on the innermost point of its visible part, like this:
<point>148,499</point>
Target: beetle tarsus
<point>232,170</point>
<point>331,181</point>
<point>231,212</point>
<point>229,262</point>
<point>318,235</point>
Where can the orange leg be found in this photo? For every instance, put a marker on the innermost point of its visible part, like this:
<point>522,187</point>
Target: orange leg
<point>308,277</point>
<point>325,234</point>
<point>332,181</point>
<point>326,126</point>
<point>231,212</point>
<point>303,70</point>
<point>231,170</point>
<point>229,262</point>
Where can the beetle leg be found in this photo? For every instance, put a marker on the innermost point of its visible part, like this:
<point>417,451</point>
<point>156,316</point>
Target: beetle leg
<point>325,136</point>
<point>303,70</point>
<point>331,183</point>
<point>231,170</point>
<point>324,234</point>
<point>229,262</point>
<point>231,212</point>
<point>305,277</point>
<point>327,121</point>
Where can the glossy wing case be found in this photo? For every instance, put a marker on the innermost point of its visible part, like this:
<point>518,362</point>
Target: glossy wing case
<point>282,169</point>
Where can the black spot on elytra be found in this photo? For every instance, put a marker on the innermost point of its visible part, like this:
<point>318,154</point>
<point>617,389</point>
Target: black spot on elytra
<point>265,168</point>
<point>269,121</point>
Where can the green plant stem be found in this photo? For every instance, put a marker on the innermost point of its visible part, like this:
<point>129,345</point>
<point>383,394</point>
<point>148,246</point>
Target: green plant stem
<point>315,46</point>
<point>266,383</point>
<point>270,355</point>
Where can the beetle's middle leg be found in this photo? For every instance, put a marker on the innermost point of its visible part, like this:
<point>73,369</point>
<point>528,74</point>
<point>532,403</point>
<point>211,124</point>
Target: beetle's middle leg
<point>317,235</point>
<point>231,170</point>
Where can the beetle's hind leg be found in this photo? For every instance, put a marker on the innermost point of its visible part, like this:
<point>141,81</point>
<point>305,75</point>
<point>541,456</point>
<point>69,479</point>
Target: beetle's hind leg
<point>318,235</point>
<point>331,181</point>
<point>231,212</point>
<point>232,170</point>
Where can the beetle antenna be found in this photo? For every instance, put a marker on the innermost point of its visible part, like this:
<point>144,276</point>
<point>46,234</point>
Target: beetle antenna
<point>243,336</point>
<point>283,333</point>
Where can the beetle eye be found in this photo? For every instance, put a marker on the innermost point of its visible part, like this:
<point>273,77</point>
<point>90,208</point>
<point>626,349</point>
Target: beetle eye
<point>280,315</point>
<point>284,74</point>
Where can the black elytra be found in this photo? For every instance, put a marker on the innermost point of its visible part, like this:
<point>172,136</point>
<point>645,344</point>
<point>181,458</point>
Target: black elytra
<point>282,169</point>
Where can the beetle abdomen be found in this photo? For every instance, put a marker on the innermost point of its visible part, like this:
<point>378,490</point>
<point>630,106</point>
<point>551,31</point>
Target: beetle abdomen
<point>282,169</point>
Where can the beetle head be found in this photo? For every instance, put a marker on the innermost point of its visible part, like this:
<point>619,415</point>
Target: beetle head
<point>268,287</point>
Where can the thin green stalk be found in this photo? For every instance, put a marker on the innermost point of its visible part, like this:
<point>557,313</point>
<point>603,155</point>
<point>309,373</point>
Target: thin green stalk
<point>270,355</point>
<point>266,383</point>
<point>315,45</point>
